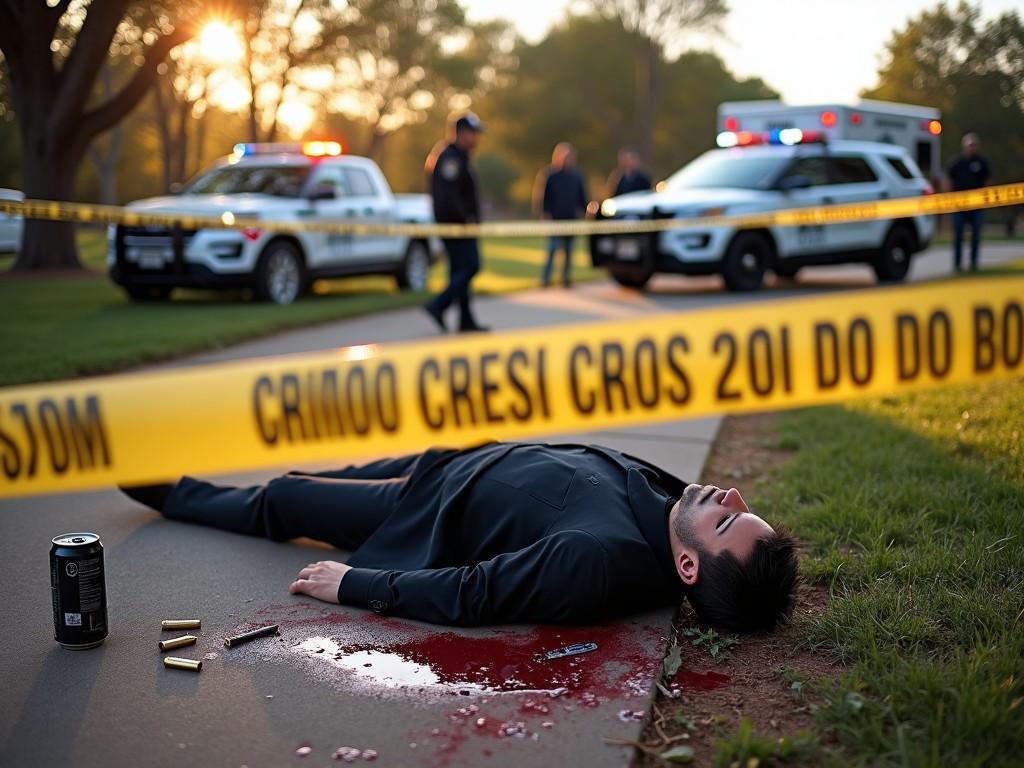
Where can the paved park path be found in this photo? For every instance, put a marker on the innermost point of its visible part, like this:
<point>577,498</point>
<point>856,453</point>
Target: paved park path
<point>415,694</point>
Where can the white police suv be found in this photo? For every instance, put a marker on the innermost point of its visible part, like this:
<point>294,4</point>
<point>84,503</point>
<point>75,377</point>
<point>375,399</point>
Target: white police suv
<point>758,172</point>
<point>314,181</point>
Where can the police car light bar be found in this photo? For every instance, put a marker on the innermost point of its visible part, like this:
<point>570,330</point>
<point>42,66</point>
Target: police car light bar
<point>308,148</point>
<point>781,136</point>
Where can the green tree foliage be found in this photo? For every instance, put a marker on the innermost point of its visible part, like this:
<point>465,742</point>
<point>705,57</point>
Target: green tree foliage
<point>657,26</point>
<point>972,70</point>
<point>572,86</point>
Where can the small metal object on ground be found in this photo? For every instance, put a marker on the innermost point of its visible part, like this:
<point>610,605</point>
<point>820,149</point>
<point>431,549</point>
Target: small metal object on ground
<point>177,642</point>
<point>230,642</point>
<point>79,590</point>
<point>173,662</point>
<point>569,650</point>
<point>182,624</point>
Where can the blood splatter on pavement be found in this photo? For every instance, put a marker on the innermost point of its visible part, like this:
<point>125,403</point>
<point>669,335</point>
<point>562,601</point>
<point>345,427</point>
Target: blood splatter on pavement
<point>489,688</point>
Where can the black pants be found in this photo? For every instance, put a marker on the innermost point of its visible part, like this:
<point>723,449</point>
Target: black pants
<point>341,507</point>
<point>962,219</point>
<point>463,264</point>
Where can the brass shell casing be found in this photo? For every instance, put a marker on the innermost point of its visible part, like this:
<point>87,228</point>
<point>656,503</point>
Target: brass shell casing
<point>191,665</point>
<point>177,642</point>
<point>182,624</point>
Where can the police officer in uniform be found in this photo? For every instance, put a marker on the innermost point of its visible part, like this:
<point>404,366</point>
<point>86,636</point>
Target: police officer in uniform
<point>453,187</point>
<point>968,171</point>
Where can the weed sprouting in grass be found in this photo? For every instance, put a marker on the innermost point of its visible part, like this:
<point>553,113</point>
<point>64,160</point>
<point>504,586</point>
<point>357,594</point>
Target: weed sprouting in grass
<point>745,748</point>
<point>717,645</point>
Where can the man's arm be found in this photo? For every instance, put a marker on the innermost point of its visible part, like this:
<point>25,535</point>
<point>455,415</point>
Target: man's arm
<point>561,578</point>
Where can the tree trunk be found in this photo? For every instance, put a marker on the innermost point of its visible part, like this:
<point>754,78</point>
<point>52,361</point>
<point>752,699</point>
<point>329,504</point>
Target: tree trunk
<point>49,175</point>
<point>376,144</point>
<point>646,98</point>
<point>181,145</point>
<point>106,161</point>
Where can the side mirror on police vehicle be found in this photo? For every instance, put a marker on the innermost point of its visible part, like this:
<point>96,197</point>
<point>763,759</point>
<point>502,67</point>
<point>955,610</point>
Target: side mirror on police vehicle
<point>322,192</point>
<point>176,188</point>
<point>790,183</point>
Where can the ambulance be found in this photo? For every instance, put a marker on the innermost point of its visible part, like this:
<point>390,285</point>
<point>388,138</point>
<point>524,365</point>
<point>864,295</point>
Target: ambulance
<point>917,129</point>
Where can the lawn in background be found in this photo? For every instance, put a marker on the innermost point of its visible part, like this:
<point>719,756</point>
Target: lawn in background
<point>912,509</point>
<point>54,327</point>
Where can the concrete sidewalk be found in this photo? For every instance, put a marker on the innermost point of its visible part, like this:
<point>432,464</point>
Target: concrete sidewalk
<point>415,694</point>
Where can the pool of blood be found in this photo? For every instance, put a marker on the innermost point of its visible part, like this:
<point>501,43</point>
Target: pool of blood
<point>497,688</point>
<point>499,663</point>
<point>393,654</point>
<point>689,681</point>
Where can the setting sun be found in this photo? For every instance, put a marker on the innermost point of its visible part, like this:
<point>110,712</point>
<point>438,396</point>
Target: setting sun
<point>220,43</point>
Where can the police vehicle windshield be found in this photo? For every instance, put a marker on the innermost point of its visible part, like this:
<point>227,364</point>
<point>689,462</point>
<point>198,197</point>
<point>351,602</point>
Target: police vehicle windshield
<point>730,169</point>
<point>277,180</point>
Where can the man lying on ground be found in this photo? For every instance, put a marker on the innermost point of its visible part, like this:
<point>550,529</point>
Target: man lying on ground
<point>513,532</point>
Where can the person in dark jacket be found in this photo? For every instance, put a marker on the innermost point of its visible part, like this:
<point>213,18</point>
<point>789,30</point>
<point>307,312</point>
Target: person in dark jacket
<point>513,532</point>
<point>560,194</point>
<point>453,188</point>
<point>628,176</point>
<point>969,170</point>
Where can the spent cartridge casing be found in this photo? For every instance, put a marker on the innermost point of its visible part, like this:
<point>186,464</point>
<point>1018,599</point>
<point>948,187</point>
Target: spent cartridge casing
<point>191,665</point>
<point>181,624</point>
<point>177,642</point>
<point>245,637</point>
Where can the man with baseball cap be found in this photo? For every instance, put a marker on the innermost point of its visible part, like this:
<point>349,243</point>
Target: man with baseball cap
<point>453,187</point>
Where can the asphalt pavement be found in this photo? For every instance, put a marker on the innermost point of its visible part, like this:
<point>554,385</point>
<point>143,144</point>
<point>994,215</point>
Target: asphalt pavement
<point>335,677</point>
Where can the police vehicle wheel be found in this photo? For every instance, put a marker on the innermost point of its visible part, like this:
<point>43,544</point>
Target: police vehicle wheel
<point>745,261</point>
<point>631,277</point>
<point>148,292</point>
<point>893,261</point>
<point>279,274</point>
<point>414,272</point>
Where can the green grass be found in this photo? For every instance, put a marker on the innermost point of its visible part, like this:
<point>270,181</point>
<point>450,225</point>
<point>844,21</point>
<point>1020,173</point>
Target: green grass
<point>59,327</point>
<point>912,510</point>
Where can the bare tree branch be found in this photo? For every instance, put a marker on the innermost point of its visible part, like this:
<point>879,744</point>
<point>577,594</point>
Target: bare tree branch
<point>83,64</point>
<point>102,117</point>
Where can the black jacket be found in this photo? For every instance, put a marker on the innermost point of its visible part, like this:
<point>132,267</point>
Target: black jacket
<point>637,181</point>
<point>969,173</point>
<point>453,186</point>
<point>510,533</point>
<point>565,196</point>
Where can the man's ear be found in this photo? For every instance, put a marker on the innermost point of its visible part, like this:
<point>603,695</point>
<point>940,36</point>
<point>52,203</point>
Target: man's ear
<point>687,566</point>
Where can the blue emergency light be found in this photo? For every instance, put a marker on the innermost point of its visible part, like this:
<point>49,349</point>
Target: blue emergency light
<point>309,148</point>
<point>787,137</point>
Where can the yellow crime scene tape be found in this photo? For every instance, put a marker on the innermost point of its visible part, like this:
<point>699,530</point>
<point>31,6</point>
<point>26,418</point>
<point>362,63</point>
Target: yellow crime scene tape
<point>949,202</point>
<point>364,401</point>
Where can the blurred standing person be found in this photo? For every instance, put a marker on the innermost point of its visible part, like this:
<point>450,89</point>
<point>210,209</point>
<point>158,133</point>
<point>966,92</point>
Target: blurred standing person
<point>969,170</point>
<point>453,188</point>
<point>628,176</point>
<point>561,195</point>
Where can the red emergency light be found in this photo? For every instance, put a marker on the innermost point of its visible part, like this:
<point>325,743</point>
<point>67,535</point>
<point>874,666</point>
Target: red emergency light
<point>828,118</point>
<point>732,124</point>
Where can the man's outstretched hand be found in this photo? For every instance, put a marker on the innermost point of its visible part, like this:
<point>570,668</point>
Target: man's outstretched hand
<point>320,580</point>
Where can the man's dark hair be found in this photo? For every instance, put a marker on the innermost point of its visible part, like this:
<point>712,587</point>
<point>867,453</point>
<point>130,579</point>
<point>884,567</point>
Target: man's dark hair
<point>748,596</point>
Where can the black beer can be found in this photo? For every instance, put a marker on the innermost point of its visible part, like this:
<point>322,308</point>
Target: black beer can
<point>79,590</point>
